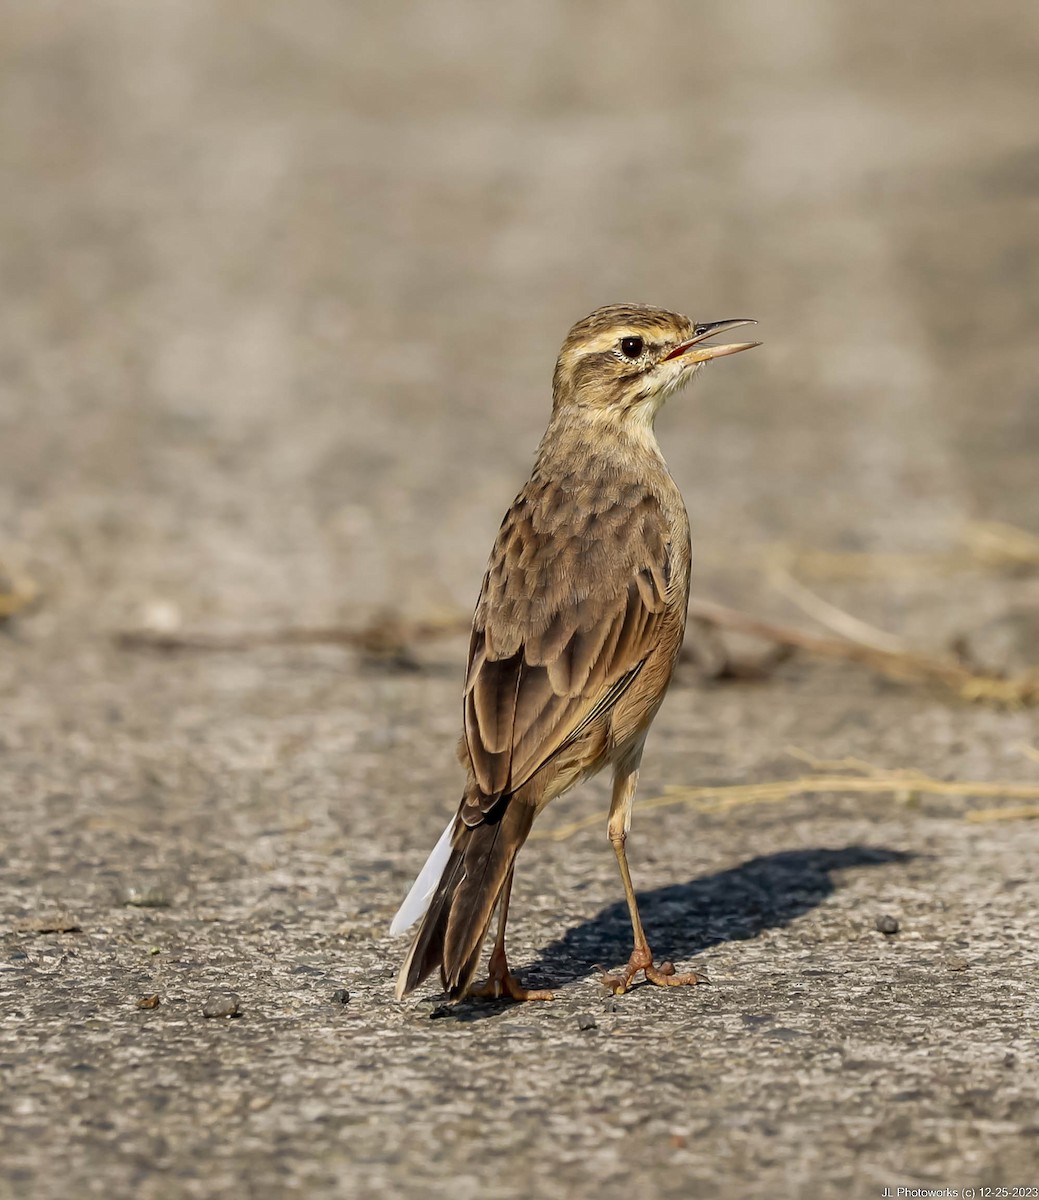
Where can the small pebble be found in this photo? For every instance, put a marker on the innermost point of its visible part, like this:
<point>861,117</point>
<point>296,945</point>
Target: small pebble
<point>340,996</point>
<point>160,616</point>
<point>148,1002</point>
<point>221,1004</point>
<point>886,923</point>
<point>586,1021</point>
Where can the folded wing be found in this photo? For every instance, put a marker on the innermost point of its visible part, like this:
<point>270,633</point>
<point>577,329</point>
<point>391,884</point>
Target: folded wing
<point>571,606</point>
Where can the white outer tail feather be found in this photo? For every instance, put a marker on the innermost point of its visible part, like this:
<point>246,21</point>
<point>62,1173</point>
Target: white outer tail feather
<point>417,900</point>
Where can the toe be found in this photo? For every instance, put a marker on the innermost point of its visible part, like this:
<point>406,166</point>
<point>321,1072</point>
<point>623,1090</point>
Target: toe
<point>667,978</point>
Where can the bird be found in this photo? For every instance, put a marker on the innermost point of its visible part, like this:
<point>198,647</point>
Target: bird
<point>575,636</point>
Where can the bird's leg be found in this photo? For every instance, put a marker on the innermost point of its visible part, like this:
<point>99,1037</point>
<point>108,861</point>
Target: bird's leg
<point>500,980</point>
<point>624,783</point>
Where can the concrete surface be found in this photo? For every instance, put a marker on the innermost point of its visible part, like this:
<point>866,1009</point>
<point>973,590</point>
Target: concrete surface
<point>283,287</point>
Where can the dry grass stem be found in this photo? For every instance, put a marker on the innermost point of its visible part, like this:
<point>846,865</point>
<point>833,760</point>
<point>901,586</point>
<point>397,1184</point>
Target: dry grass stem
<point>872,781</point>
<point>1023,812</point>
<point>985,545</point>
<point>834,618</point>
<point>902,664</point>
<point>1030,752</point>
<point>997,545</point>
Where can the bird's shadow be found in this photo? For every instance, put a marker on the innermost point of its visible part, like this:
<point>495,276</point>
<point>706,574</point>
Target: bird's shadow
<point>684,919</point>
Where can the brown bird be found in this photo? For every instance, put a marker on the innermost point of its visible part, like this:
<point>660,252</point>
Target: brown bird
<point>575,636</point>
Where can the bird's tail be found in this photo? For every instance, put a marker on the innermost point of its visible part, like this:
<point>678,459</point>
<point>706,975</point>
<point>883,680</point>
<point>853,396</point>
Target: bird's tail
<point>453,928</point>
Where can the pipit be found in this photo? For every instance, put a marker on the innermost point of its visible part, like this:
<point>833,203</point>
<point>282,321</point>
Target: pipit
<point>574,640</point>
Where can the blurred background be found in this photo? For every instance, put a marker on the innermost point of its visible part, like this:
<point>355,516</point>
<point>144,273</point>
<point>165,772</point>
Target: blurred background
<point>282,291</point>
<point>284,285</point>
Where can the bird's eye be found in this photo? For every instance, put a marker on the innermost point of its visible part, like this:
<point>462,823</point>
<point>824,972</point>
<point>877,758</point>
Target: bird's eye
<point>631,347</point>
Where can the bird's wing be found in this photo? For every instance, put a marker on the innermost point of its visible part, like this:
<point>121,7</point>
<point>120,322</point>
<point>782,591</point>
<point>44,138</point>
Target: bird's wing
<point>571,606</point>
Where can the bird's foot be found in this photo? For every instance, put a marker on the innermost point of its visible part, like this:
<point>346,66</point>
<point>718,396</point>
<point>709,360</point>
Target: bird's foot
<point>501,982</point>
<point>662,976</point>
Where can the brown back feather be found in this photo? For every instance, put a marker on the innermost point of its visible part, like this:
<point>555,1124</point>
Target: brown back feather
<point>571,606</point>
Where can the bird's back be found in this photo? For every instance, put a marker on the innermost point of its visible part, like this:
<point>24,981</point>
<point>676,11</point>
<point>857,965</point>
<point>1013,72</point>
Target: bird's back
<point>586,588</point>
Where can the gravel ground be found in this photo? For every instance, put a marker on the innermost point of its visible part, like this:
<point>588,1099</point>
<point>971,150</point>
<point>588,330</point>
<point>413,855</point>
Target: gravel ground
<point>283,289</point>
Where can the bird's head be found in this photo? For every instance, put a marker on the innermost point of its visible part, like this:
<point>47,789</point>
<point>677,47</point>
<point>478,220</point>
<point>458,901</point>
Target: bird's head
<point>624,360</point>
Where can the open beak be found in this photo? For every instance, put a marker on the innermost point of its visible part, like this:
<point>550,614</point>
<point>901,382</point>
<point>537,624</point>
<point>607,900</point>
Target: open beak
<point>693,351</point>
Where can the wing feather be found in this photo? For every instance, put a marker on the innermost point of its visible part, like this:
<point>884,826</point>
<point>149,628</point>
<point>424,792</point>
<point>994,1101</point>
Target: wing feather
<point>571,606</point>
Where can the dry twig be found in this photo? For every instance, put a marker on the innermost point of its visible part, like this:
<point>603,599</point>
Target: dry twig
<point>896,664</point>
<point>388,636</point>
<point>391,638</point>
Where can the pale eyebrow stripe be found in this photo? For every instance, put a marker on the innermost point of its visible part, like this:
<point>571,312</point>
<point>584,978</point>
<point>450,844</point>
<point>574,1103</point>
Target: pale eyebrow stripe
<point>609,338</point>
